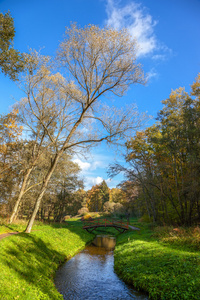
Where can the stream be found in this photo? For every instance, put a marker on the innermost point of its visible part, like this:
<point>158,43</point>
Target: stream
<point>90,275</point>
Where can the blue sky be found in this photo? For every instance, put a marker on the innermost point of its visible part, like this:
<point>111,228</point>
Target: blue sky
<point>167,32</point>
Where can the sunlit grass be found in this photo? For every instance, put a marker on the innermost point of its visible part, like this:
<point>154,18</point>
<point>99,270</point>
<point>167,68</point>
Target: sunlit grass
<point>17,226</point>
<point>164,261</point>
<point>153,262</point>
<point>28,261</point>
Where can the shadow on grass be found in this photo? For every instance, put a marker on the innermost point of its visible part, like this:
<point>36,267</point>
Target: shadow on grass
<point>30,261</point>
<point>74,226</point>
<point>77,228</point>
<point>10,227</point>
<point>106,231</point>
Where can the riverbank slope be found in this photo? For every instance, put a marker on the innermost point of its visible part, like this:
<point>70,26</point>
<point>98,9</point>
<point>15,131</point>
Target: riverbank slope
<point>164,262</point>
<point>28,261</point>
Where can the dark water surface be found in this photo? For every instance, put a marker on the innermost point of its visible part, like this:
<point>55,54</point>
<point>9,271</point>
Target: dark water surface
<point>90,275</point>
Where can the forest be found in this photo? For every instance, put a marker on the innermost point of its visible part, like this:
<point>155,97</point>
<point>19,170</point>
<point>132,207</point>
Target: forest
<point>163,162</point>
<point>61,115</point>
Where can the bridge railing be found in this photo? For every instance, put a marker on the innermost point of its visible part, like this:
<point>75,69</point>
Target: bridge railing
<point>105,222</point>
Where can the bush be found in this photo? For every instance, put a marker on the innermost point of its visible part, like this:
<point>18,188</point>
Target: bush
<point>146,219</point>
<point>83,211</point>
<point>86,217</point>
<point>109,207</point>
<point>187,237</point>
<point>119,208</point>
<point>114,208</point>
<point>67,217</point>
<point>95,214</point>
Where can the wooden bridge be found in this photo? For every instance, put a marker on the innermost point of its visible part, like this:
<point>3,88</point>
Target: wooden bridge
<point>91,224</point>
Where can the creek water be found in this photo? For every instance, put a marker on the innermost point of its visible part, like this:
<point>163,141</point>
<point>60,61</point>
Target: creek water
<point>90,275</point>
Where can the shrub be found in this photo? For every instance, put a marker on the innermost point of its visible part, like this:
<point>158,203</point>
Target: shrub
<point>145,219</point>
<point>83,211</point>
<point>109,207</point>
<point>86,217</point>
<point>179,236</point>
<point>67,217</point>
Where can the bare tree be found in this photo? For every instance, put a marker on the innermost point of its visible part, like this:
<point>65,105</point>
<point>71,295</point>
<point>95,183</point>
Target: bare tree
<point>96,61</point>
<point>40,111</point>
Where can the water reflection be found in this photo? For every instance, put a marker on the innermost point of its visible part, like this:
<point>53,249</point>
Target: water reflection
<point>105,241</point>
<point>90,275</point>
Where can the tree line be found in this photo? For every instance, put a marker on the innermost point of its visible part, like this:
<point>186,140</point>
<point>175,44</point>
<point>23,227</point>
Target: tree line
<point>164,161</point>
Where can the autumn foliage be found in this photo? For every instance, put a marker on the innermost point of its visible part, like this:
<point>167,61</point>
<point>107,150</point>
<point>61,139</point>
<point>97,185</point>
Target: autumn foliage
<point>164,161</point>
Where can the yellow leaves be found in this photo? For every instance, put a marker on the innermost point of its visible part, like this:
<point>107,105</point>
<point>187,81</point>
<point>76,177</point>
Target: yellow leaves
<point>3,148</point>
<point>56,78</point>
<point>74,92</point>
<point>196,87</point>
<point>34,60</point>
<point>117,195</point>
<point>95,35</point>
<point>10,125</point>
<point>100,58</point>
<point>43,72</point>
<point>175,100</point>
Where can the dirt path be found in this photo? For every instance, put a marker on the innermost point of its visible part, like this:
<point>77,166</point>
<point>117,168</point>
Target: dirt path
<point>4,235</point>
<point>133,228</point>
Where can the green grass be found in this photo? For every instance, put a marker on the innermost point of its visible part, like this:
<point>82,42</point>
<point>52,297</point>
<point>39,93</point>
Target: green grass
<point>161,261</point>
<point>158,263</point>
<point>5,228</point>
<point>28,261</point>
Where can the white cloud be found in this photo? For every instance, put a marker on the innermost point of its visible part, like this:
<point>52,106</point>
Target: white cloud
<point>88,166</point>
<point>90,181</point>
<point>83,165</point>
<point>94,169</point>
<point>159,57</point>
<point>152,74</point>
<point>108,180</point>
<point>138,22</point>
<point>97,180</point>
<point>96,164</point>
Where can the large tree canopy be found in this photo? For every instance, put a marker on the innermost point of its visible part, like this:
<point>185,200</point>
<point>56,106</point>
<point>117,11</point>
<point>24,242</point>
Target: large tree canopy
<point>100,60</point>
<point>97,62</point>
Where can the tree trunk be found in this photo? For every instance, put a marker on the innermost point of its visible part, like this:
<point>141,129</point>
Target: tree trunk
<point>52,168</point>
<point>43,189</point>
<point>178,193</point>
<point>198,209</point>
<point>21,193</point>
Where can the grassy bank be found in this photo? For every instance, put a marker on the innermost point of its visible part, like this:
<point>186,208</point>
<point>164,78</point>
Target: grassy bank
<point>6,228</point>
<point>165,262</point>
<point>28,261</point>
